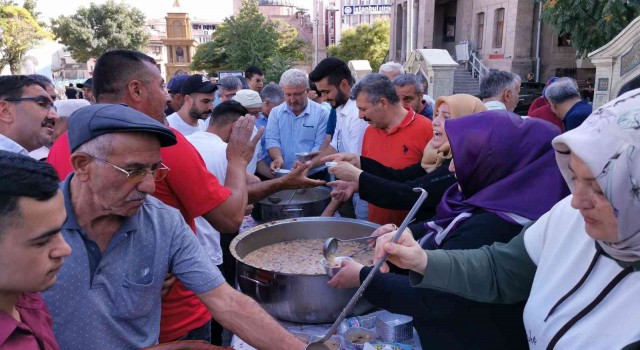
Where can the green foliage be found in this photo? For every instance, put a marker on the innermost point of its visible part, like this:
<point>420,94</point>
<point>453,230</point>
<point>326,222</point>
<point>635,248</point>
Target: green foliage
<point>591,23</point>
<point>365,42</point>
<point>95,30</point>
<point>19,32</point>
<point>250,39</point>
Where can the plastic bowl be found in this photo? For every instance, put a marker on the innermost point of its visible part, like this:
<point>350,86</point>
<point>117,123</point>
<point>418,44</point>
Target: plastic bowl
<point>354,338</point>
<point>303,156</point>
<point>333,269</point>
<point>282,172</point>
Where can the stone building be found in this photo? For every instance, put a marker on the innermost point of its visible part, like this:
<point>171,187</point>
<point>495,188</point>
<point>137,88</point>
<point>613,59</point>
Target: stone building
<point>179,42</point>
<point>504,33</point>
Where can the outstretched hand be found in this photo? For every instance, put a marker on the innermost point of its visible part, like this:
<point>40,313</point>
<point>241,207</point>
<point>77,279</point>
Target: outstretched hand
<point>241,145</point>
<point>297,178</point>
<point>351,158</point>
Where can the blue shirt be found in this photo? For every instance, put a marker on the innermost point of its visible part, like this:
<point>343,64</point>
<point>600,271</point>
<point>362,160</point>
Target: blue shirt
<point>112,300</point>
<point>262,121</point>
<point>293,134</point>
<point>576,115</point>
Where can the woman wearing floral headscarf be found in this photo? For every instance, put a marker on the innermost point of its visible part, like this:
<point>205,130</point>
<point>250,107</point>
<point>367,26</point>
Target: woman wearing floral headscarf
<point>578,264</point>
<point>507,177</point>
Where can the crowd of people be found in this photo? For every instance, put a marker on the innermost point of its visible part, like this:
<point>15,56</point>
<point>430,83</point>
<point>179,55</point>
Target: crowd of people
<point>117,209</point>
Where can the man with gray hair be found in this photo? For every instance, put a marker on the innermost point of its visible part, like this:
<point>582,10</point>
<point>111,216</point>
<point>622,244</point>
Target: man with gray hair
<point>297,126</point>
<point>391,69</point>
<point>500,90</point>
<point>272,96</point>
<point>564,100</point>
<point>228,86</point>
<point>396,138</point>
<point>410,92</point>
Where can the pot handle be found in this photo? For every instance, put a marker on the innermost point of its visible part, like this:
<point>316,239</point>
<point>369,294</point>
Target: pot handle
<point>292,212</point>
<point>259,283</point>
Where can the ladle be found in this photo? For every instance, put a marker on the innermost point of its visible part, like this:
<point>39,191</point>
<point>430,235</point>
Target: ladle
<point>331,244</point>
<point>318,344</point>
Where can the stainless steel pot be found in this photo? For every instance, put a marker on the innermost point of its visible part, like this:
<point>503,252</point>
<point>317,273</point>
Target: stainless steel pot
<point>306,202</point>
<point>297,297</point>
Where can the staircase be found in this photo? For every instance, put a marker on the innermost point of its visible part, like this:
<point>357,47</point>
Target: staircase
<point>464,82</point>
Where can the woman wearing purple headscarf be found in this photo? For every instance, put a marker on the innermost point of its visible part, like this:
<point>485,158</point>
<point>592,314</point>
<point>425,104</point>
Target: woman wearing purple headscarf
<point>507,178</point>
<point>577,266</point>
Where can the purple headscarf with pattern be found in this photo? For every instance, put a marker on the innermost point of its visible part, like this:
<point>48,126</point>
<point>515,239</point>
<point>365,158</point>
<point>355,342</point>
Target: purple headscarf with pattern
<point>505,164</point>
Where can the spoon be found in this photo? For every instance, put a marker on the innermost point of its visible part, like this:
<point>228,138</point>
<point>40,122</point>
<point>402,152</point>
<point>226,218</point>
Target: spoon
<point>318,344</point>
<point>331,244</point>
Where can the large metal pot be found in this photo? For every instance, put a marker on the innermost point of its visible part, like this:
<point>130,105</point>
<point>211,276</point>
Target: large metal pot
<point>297,297</point>
<point>286,205</point>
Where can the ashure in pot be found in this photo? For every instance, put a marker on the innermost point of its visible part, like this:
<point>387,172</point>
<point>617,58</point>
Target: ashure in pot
<point>297,297</point>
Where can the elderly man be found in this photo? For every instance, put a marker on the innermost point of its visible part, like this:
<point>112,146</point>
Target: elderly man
<point>409,90</point>
<point>132,78</point>
<point>564,100</point>
<point>500,90</point>
<point>255,78</point>
<point>197,92</point>
<point>396,137</point>
<point>228,86</point>
<point>299,125</point>
<point>391,69</point>
<point>27,114</point>
<point>175,93</point>
<point>112,224</point>
<point>31,250</point>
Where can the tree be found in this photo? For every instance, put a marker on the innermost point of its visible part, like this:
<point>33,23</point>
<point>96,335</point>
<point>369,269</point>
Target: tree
<point>250,39</point>
<point>95,30</point>
<point>591,23</point>
<point>19,32</point>
<point>365,42</point>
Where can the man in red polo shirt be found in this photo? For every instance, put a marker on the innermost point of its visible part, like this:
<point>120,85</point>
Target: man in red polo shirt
<point>31,250</point>
<point>397,136</point>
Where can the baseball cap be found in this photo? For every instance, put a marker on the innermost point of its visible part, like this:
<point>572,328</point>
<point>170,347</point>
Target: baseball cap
<point>92,121</point>
<point>175,84</point>
<point>87,83</point>
<point>197,83</point>
<point>248,98</point>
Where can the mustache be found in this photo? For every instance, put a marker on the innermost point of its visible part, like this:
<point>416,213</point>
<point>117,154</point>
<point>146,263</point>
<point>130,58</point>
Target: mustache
<point>47,122</point>
<point>136,196</point>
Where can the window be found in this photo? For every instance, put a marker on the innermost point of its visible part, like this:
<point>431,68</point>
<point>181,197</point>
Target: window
<point>480,30</point>
<point>564,40</point>
<point>498,30</point>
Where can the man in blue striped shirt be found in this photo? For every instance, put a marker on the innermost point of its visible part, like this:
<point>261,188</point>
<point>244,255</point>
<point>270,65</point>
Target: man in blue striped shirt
<point>299,125</point>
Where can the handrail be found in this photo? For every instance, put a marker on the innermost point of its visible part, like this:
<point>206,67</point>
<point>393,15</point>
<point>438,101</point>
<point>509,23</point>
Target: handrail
<point>478,69</point>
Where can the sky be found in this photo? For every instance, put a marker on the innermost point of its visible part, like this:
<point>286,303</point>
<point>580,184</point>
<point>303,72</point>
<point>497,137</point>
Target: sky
<point>215,10</point>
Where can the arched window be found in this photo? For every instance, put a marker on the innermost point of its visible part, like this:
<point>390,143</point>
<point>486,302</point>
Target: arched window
<point>177,29</point>
<point>498,28</point>
<point>180,55</point>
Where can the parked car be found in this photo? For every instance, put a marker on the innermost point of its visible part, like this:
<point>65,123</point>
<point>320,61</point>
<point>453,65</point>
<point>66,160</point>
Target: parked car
<point>528,93</point>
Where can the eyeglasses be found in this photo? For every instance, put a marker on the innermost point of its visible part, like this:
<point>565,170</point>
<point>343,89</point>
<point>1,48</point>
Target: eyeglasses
<point>41,101</point>
<point>158,171</point>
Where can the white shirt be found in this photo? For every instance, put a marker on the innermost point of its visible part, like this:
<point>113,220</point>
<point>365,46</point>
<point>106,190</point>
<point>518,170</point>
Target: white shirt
<point>185,129</point>
<point>559,245</point>
<point>349,129</point>
<point>491,105</point>
<point>214,153</point>
<point>7,144</point>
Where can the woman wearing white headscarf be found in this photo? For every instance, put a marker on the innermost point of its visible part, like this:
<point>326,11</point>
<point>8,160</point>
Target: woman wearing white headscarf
<point>577,265</point>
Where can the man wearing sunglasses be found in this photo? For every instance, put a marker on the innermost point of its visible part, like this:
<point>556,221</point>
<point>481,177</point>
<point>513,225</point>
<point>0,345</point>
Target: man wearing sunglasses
<point>27,114</point>
<point>108,294</point>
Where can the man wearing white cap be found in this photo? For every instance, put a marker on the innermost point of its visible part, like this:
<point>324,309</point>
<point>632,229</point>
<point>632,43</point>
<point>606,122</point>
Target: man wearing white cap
<point>252,101</point>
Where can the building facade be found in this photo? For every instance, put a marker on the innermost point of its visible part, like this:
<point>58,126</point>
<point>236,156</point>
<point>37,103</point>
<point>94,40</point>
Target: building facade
<point>503,33</point>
